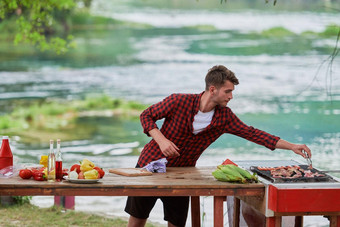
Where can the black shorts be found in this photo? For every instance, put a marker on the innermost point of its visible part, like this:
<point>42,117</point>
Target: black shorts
<point>175,208</point>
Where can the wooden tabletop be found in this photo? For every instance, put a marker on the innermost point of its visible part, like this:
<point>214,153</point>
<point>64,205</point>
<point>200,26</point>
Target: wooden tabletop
<point>177,181</point>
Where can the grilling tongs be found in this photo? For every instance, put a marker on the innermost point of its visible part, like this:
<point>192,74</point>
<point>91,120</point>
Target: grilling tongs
<point>310,165</point>
<point>309,160</point>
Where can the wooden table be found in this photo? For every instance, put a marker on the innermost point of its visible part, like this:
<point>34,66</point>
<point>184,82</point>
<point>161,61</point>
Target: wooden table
<point>177,181</point>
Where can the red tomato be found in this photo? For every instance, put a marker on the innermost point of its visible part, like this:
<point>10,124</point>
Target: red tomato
<point>25,173</point>
<point>100,171</point>
<point>75,167</point>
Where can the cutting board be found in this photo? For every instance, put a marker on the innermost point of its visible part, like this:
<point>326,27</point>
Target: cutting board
<point>130,172</point>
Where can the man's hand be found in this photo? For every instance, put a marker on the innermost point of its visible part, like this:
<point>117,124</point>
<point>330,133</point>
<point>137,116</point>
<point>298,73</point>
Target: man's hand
<point>167,147</point>
<point>299,149</point>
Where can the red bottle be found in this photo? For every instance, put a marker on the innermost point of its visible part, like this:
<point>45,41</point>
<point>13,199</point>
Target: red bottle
<point>6,156</point>
<point>58,163</point>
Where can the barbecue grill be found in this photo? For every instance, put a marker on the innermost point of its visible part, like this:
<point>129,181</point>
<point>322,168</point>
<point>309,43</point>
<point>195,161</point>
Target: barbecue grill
<point>294,197</point>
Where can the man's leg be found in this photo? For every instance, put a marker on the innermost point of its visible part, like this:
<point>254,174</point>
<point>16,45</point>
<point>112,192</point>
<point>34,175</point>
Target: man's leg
<point>253,217</point>
<point>175,210</point>
<point>136,222</point>
<point>139,208</point>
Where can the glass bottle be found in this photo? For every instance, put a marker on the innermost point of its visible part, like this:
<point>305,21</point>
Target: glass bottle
<point>51,164</point>
<point>58,163</point>
<point>6,156</point>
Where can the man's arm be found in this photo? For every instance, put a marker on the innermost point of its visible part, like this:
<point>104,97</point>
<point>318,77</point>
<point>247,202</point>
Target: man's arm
<point>167,147</point>
<point>296,148</point>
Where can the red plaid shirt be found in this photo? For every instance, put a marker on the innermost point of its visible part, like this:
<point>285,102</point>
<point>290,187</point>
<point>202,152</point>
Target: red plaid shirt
<point>179,111</point>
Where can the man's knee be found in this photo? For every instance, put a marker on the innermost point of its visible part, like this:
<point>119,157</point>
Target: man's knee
<point>136,222</point>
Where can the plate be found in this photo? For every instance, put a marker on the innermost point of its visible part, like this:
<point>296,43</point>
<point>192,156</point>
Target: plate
<point>82,181</point>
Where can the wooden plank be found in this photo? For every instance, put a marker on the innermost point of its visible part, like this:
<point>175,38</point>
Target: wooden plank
<point>218,211</point>
<point>236,214</point>
<point>274,221</point>
<point>175,177</point>
<point>130,172</point>
<point>195,211</point>
<point>119,191</point>
<point>334,221</point>
<point>298,221</point>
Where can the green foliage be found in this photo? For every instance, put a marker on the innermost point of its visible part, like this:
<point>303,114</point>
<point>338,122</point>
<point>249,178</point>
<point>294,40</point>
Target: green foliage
<point>35,21</point>
<point>277,32</point>
<point>58,114</point>
<point>100,102</point>
<point>331,30</point>
<point>20,200</point>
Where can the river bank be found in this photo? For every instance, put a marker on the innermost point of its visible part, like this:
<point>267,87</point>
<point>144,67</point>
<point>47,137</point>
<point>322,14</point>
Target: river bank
<point>37,121</point>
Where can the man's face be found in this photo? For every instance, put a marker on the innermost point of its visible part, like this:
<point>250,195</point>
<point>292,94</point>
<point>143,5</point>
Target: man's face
<point>221,96</point>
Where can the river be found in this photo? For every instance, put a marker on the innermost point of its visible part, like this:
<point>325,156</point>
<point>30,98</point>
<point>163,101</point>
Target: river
<point>289,85</point>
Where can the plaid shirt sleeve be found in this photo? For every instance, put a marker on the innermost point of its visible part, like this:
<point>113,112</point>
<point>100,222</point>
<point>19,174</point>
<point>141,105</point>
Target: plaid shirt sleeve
<point>237,127</point>
<point>157,111</point>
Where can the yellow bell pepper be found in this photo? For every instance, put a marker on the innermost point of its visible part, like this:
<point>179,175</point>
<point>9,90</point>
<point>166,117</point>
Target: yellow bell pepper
<point>86,165</point>
<point>43,160</point>
<point>91,174</point>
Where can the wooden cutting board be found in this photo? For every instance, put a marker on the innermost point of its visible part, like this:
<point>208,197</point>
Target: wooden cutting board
<point>130,172</point>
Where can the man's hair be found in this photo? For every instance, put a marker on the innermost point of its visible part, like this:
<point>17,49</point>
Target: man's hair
<point>218,75</point>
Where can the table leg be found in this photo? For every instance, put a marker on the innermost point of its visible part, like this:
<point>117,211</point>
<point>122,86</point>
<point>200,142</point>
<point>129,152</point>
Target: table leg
<point>236,213</point>
<point>67,202</point>
<point>195,211</point>
<point>334,221</point>
<point>274,221</point>
<point>298,221</point>
<point>218,211</point>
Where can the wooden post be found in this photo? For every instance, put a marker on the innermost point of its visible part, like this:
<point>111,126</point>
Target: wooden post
<point>298,221</point>
<point>236,213</point>
<point>334,221</point>
<point>195,211</point>
<point>274,221</point>
<point>218,211</point>
<point>67,202</point>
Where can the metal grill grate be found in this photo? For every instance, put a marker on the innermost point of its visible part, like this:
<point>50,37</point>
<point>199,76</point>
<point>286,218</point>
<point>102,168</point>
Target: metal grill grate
<point>266,163</point>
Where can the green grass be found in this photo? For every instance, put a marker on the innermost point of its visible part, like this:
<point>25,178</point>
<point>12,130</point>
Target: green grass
<point>277,32</point>
<point>280,32</point>
<point>30,215</point>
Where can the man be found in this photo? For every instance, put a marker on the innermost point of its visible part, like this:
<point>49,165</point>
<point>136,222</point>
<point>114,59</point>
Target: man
<point>192,122</point>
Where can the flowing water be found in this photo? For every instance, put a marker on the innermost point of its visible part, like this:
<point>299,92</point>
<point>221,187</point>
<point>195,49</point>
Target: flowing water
<point>289,85</point>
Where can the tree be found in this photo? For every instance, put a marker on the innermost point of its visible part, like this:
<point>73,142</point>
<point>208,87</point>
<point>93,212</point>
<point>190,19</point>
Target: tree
<point>36,20</point>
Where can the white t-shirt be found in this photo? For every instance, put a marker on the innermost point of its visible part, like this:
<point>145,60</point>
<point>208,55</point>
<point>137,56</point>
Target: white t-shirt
<point>202,120</point>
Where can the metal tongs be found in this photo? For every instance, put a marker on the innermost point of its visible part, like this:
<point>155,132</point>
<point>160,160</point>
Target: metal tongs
<point>309,160</point>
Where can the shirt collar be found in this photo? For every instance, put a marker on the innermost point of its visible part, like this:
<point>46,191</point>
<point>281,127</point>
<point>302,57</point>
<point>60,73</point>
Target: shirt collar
<point>196,106</point>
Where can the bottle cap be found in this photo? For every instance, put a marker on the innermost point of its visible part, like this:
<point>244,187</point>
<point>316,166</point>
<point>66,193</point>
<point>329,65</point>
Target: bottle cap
<point>51,141</point>
<point>58,140</point>
<point>5,137</point>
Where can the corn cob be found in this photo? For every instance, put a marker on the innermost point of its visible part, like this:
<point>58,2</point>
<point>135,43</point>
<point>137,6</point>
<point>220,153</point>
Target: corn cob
<point>233,174</point>
<point>245,173</point>
<point>219,175</point>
